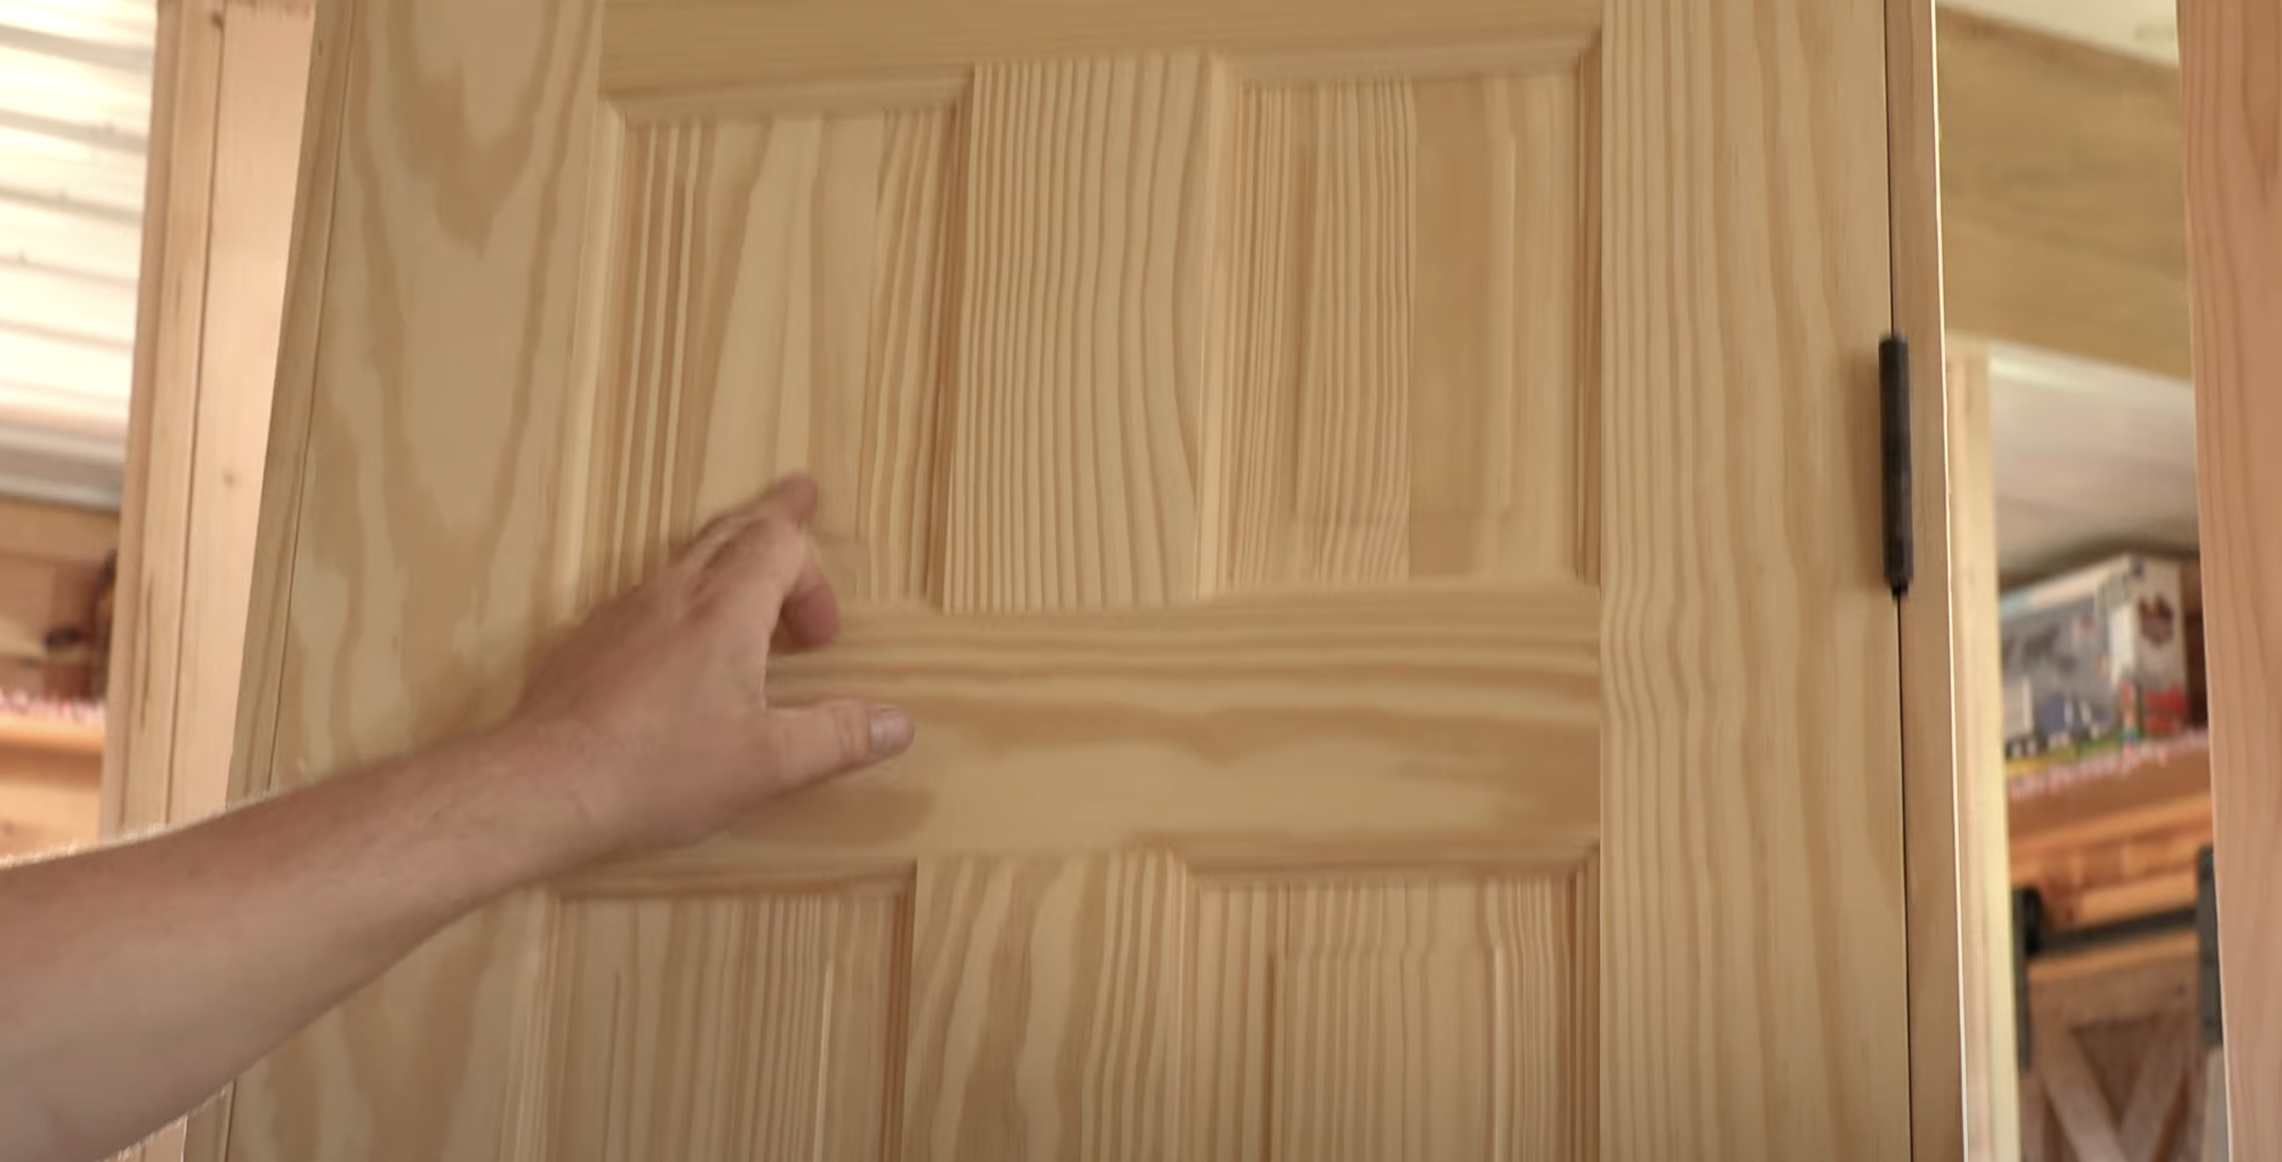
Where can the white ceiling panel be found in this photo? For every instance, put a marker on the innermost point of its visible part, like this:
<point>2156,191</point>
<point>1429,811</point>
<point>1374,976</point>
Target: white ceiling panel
<point>75,83</point>
<point>2088,458</point>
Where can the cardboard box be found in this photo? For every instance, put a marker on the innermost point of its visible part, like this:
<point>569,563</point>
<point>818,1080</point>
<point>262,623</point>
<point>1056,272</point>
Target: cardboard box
<point>2096,659</point>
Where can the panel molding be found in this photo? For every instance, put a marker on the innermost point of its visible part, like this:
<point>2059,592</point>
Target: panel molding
<point>655,49</point>
<point>1375,959</point>
<point>717,1025</point>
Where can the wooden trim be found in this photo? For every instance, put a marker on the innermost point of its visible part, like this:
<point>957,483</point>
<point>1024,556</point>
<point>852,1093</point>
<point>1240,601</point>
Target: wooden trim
<point>2231,73</point>
<point>1963,1101</point>
<point>1984,887</point>
<point>179,173</point>
<point>225,128</point>
<point>1964,1075</point>
<point>206,1133</point>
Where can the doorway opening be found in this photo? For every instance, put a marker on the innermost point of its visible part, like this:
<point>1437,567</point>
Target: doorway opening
<point>2074,454</point>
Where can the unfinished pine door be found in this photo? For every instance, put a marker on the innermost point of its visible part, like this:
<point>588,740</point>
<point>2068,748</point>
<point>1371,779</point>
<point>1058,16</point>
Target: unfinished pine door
<point>1373,505</point>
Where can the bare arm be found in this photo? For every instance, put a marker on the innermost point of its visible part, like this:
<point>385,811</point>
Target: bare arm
<point>137,979</point>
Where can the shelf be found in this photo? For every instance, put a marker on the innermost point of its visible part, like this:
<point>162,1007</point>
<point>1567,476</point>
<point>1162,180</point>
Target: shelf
<point>51,735</point>
<point>2139,788</point>
<point>2126,762</point>
<point>2115,837</point>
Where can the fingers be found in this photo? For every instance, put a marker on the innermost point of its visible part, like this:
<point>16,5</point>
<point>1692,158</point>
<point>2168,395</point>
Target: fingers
<point>813,743</point>
<point>763,549</point>
<point>776,565</point>
<point>792,499</point>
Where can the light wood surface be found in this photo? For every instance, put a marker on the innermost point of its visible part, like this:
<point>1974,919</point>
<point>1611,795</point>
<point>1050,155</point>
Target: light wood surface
<point>1985,911</point>
<point>1374,508</point>
<point>2063,211</point>
<point>230,88</point>
<point>1942,1096</point>
<point>2228,52</point>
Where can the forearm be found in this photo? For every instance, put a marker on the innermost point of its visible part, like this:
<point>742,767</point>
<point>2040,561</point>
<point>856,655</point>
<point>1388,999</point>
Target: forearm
<point>138,979</point>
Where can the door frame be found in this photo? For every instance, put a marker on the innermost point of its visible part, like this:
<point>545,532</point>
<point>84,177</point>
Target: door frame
<point>227,93</point>
<point>1964,1084</point>
<point>226,98</point>
<point>2232,86</point>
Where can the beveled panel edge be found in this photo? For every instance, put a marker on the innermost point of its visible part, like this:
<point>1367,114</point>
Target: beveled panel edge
<point>935,89</point>
<point>598,248</point>
<point>925,81</point>
<point>728,869</point>
<point>1553,52</point>
<point>1223,864</point>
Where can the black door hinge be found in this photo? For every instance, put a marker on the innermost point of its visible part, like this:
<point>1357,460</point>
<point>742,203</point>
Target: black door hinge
<point>2207,949</point>
<point>2028,940</point>
<point>1894,414</point>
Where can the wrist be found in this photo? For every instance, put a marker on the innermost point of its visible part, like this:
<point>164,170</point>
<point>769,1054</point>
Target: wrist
<point>517,801</point>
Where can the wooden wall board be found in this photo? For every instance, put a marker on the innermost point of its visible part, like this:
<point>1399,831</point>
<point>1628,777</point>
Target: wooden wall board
<point>2231,69</point>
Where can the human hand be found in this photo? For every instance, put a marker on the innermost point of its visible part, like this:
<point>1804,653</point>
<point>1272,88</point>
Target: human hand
<point>658,702</point>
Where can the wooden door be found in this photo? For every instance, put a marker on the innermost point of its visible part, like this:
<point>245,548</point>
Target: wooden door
<point>1373,504</point>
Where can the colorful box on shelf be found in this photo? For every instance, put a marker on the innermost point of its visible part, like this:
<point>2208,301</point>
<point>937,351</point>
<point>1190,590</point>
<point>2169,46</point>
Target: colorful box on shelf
<point>2095,660</point>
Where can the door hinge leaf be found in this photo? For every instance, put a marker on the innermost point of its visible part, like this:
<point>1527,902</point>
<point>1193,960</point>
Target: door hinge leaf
<point>1894,412</point>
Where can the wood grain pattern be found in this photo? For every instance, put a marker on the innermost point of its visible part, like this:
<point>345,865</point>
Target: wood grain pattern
<point>1317,431</point>
<point>1429,1012</point>
<point>1044,1007</point>
<point>1072,461</point>
<point>1466,718</point>
<point>262,694</point>
<point>2234,186</point>
<point>1753,729</point>
<point>1401,381</point>
<point>725,1027</point>
<point>221,215</point>
<point>424,449</point>
<point>778,305</point>
<point>162,426</point>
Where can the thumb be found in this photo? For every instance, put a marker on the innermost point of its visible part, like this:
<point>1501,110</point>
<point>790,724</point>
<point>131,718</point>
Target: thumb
<point>812,743</point>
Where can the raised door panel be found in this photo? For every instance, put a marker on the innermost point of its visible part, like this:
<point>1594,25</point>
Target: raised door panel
<point>1358,498</point>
